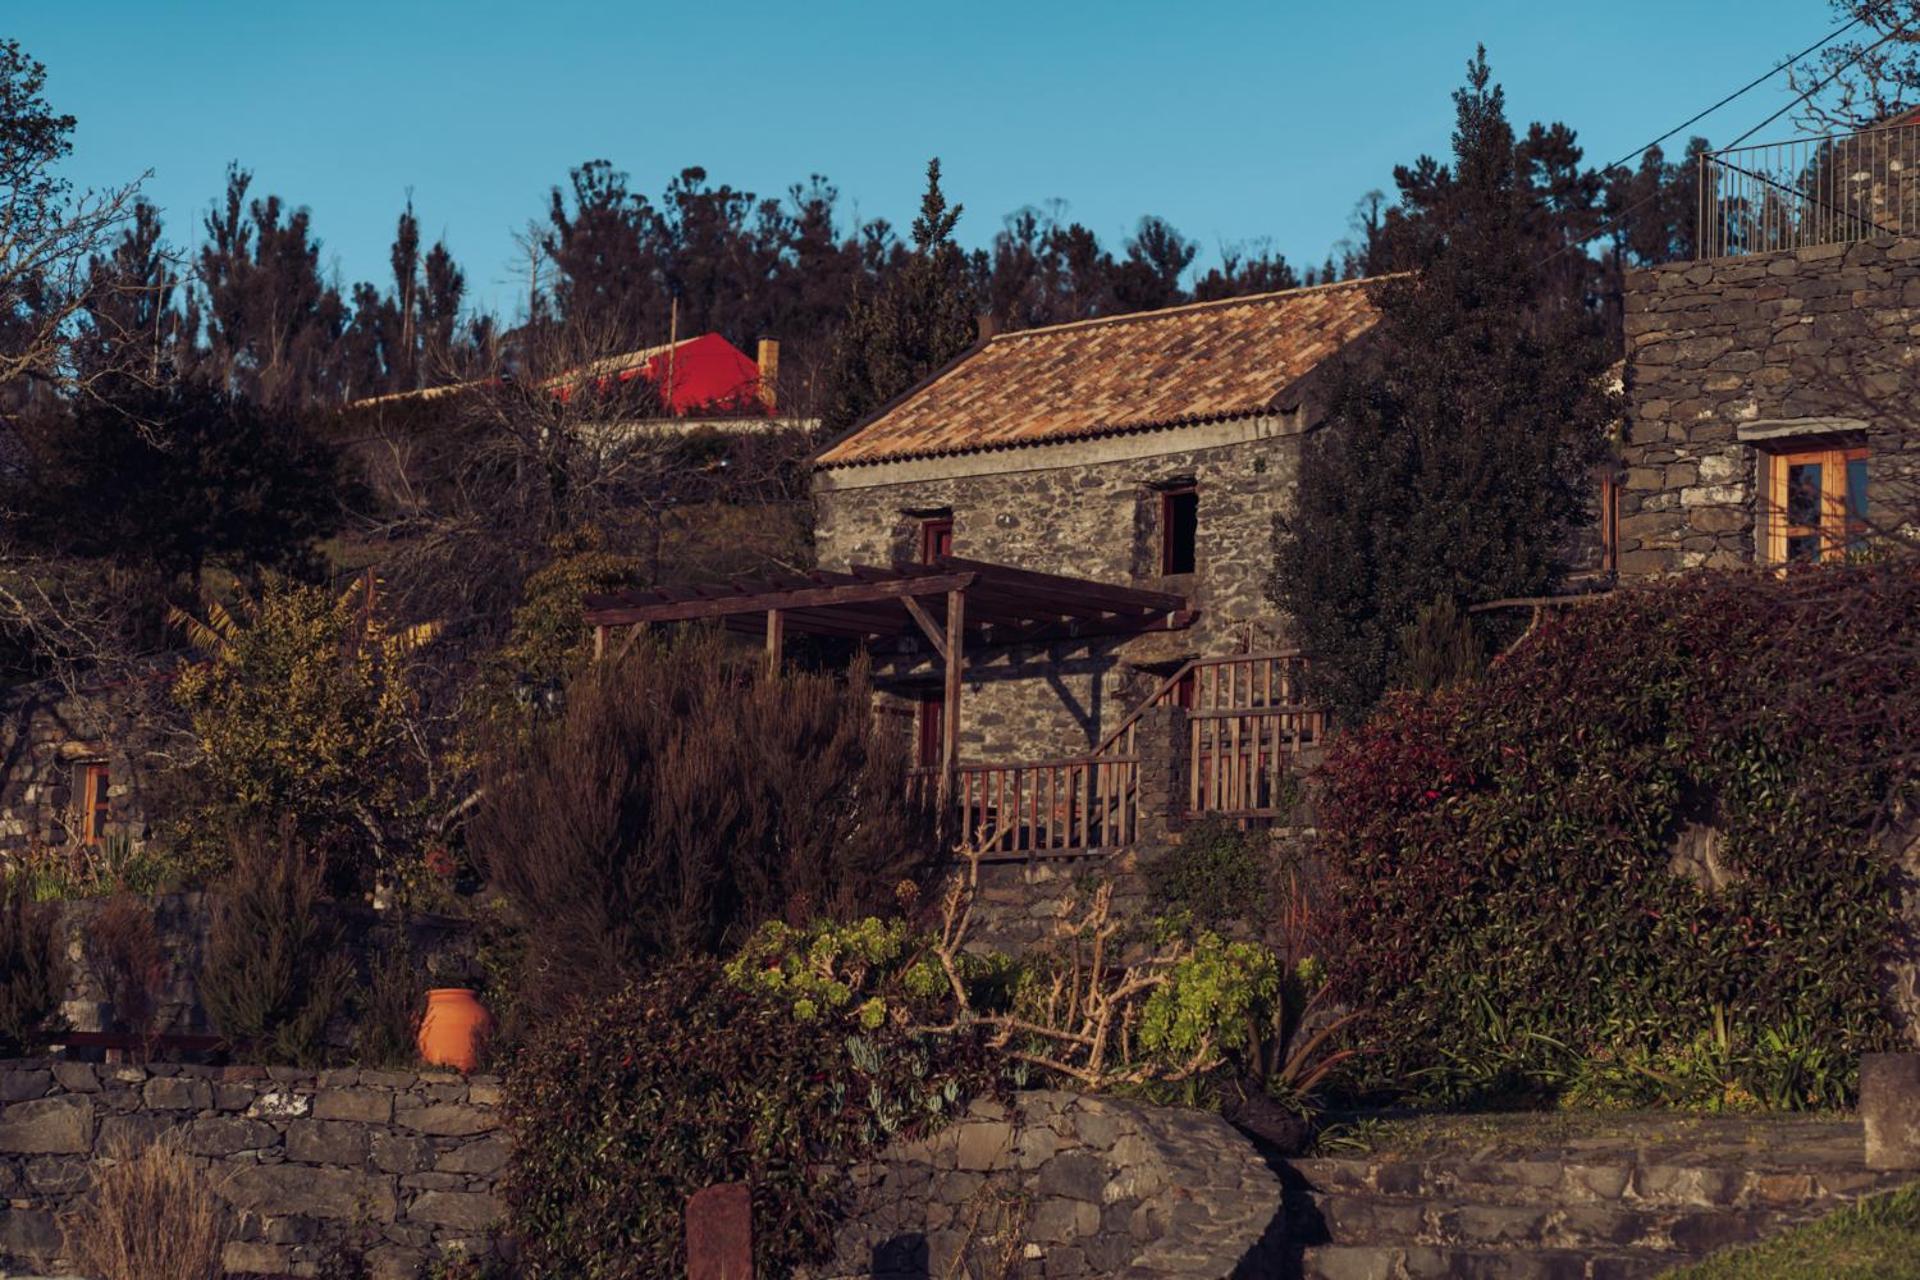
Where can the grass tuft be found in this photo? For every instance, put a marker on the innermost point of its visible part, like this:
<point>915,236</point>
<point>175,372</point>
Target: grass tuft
<point>1877,1238</point>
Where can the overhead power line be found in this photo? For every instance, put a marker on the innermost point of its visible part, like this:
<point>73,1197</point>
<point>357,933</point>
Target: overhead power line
<point>1754,83</point>
<point>1613,222</point>
<point>1835,75</point>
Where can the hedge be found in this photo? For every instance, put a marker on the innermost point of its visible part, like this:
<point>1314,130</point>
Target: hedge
<point>1511,912</point>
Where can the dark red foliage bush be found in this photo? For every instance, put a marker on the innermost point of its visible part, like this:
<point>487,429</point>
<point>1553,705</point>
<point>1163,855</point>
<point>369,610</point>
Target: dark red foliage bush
<point>1512,907</point>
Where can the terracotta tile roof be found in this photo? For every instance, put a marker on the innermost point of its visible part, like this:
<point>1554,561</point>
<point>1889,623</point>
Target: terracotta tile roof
<point>1198,363</point>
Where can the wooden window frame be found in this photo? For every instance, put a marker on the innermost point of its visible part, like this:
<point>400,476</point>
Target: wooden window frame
<point>1168,496</point>
<point>92,800</point>
<point>1610,523</point>
<point>936,538</point>
<point>1837,528</point>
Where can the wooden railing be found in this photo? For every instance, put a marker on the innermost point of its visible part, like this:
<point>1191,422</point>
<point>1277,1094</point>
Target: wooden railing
<point>1246,725</point>
<point>1051,806</point>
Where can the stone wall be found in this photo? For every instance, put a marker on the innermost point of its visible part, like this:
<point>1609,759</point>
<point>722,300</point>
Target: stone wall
<point>182,925</point>
<point>1730,359</point>
<point>1090,518</point>
<point>394,1167</point>
<point>47,737</point>
<point>1023,904</point>
<point>1066,1185</point>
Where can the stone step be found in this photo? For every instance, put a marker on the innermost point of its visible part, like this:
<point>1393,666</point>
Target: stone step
<point>1351,1219</point>
<point>1570,1183</point>
<point>1443,1262</point>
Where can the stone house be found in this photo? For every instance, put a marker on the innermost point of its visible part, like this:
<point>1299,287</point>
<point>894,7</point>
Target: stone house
<point>1150,450</point>
<point>1771,387</point>
<point>1078,522</point>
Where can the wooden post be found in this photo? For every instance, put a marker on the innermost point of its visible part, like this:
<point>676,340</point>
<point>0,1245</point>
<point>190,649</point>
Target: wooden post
<point>719,1224</point>
<point>776,639</point>
<point>950,719</point>
<point>599,643</point>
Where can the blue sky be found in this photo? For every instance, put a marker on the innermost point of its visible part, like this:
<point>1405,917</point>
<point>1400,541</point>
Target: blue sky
<point>1236,121</point>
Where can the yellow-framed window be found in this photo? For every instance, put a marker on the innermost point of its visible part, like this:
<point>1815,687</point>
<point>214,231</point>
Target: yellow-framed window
<point>1816,504</point>
<point>91,796</point>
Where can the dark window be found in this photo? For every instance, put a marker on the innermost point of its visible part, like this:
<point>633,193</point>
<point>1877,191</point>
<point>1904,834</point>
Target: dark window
<point>936,539</point>
<point>1179,530</point>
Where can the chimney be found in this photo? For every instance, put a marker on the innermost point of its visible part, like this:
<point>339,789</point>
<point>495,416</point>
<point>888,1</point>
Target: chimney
<point>770,373</point>
<point>986,326</point>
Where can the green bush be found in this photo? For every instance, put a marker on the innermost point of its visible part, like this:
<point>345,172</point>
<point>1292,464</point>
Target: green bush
<point>306,712</point>
<point>1513,911</point>
<point>620,1112</point>
<point>1217,875</point>
<point>32,970</point>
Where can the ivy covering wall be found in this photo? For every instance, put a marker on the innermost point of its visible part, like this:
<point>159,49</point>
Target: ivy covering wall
<point>1649,857</point>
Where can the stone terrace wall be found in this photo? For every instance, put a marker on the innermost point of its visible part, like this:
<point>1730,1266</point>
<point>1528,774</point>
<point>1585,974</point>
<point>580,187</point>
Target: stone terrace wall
<point>1071,1186</point>
<point>394,1166</point>
<point>1715,347</point>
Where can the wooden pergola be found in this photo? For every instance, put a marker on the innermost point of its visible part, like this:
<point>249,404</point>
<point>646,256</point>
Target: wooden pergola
<point>951,603</point>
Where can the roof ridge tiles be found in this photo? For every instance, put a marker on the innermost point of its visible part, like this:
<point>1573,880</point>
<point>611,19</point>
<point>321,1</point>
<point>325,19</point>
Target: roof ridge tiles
<point>1211,304</point>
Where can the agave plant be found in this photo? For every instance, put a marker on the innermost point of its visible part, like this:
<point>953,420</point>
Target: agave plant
<point>216,634</point>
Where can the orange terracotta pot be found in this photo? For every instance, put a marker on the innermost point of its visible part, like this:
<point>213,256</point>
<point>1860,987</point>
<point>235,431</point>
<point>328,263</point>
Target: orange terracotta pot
<point>455,1028</point>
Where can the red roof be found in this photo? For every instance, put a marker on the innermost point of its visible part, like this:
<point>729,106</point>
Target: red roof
<point>705,374</point>
<point>708,374</point>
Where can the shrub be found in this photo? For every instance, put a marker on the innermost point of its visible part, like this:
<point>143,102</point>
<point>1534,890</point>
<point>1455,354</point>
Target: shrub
<point>681,799</point>
<point>114,866</point>
<point>388,1009</point>
<point>305,714</point>
<point>1513,908</point>
<point>1217,875</point>
<point>152,1215</point>
<point>33,974</point>
<point>549,643</point>
<point>123,950</point>
<point>621,1111</point>
<point>275,972</point>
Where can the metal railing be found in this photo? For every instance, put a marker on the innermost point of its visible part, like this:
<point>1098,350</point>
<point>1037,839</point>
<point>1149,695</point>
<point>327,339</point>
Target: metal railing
<point>1812,191</point>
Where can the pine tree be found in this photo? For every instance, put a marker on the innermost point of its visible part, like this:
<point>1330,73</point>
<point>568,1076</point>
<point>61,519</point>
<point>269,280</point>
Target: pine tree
<point>274,324</point>
<point>1456,459</point>
<point>131,324</point>
<point>921,318</point>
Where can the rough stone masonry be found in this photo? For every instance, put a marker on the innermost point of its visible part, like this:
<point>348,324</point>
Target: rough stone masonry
<point>1065,1185</point>
<point>1087,516</point>
<point>1734,359</point>
<point>396,1166</point>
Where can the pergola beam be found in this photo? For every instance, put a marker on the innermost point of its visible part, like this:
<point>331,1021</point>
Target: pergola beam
<point>790,598</point>
<point>1064,589</point>
<point>927,625</point>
